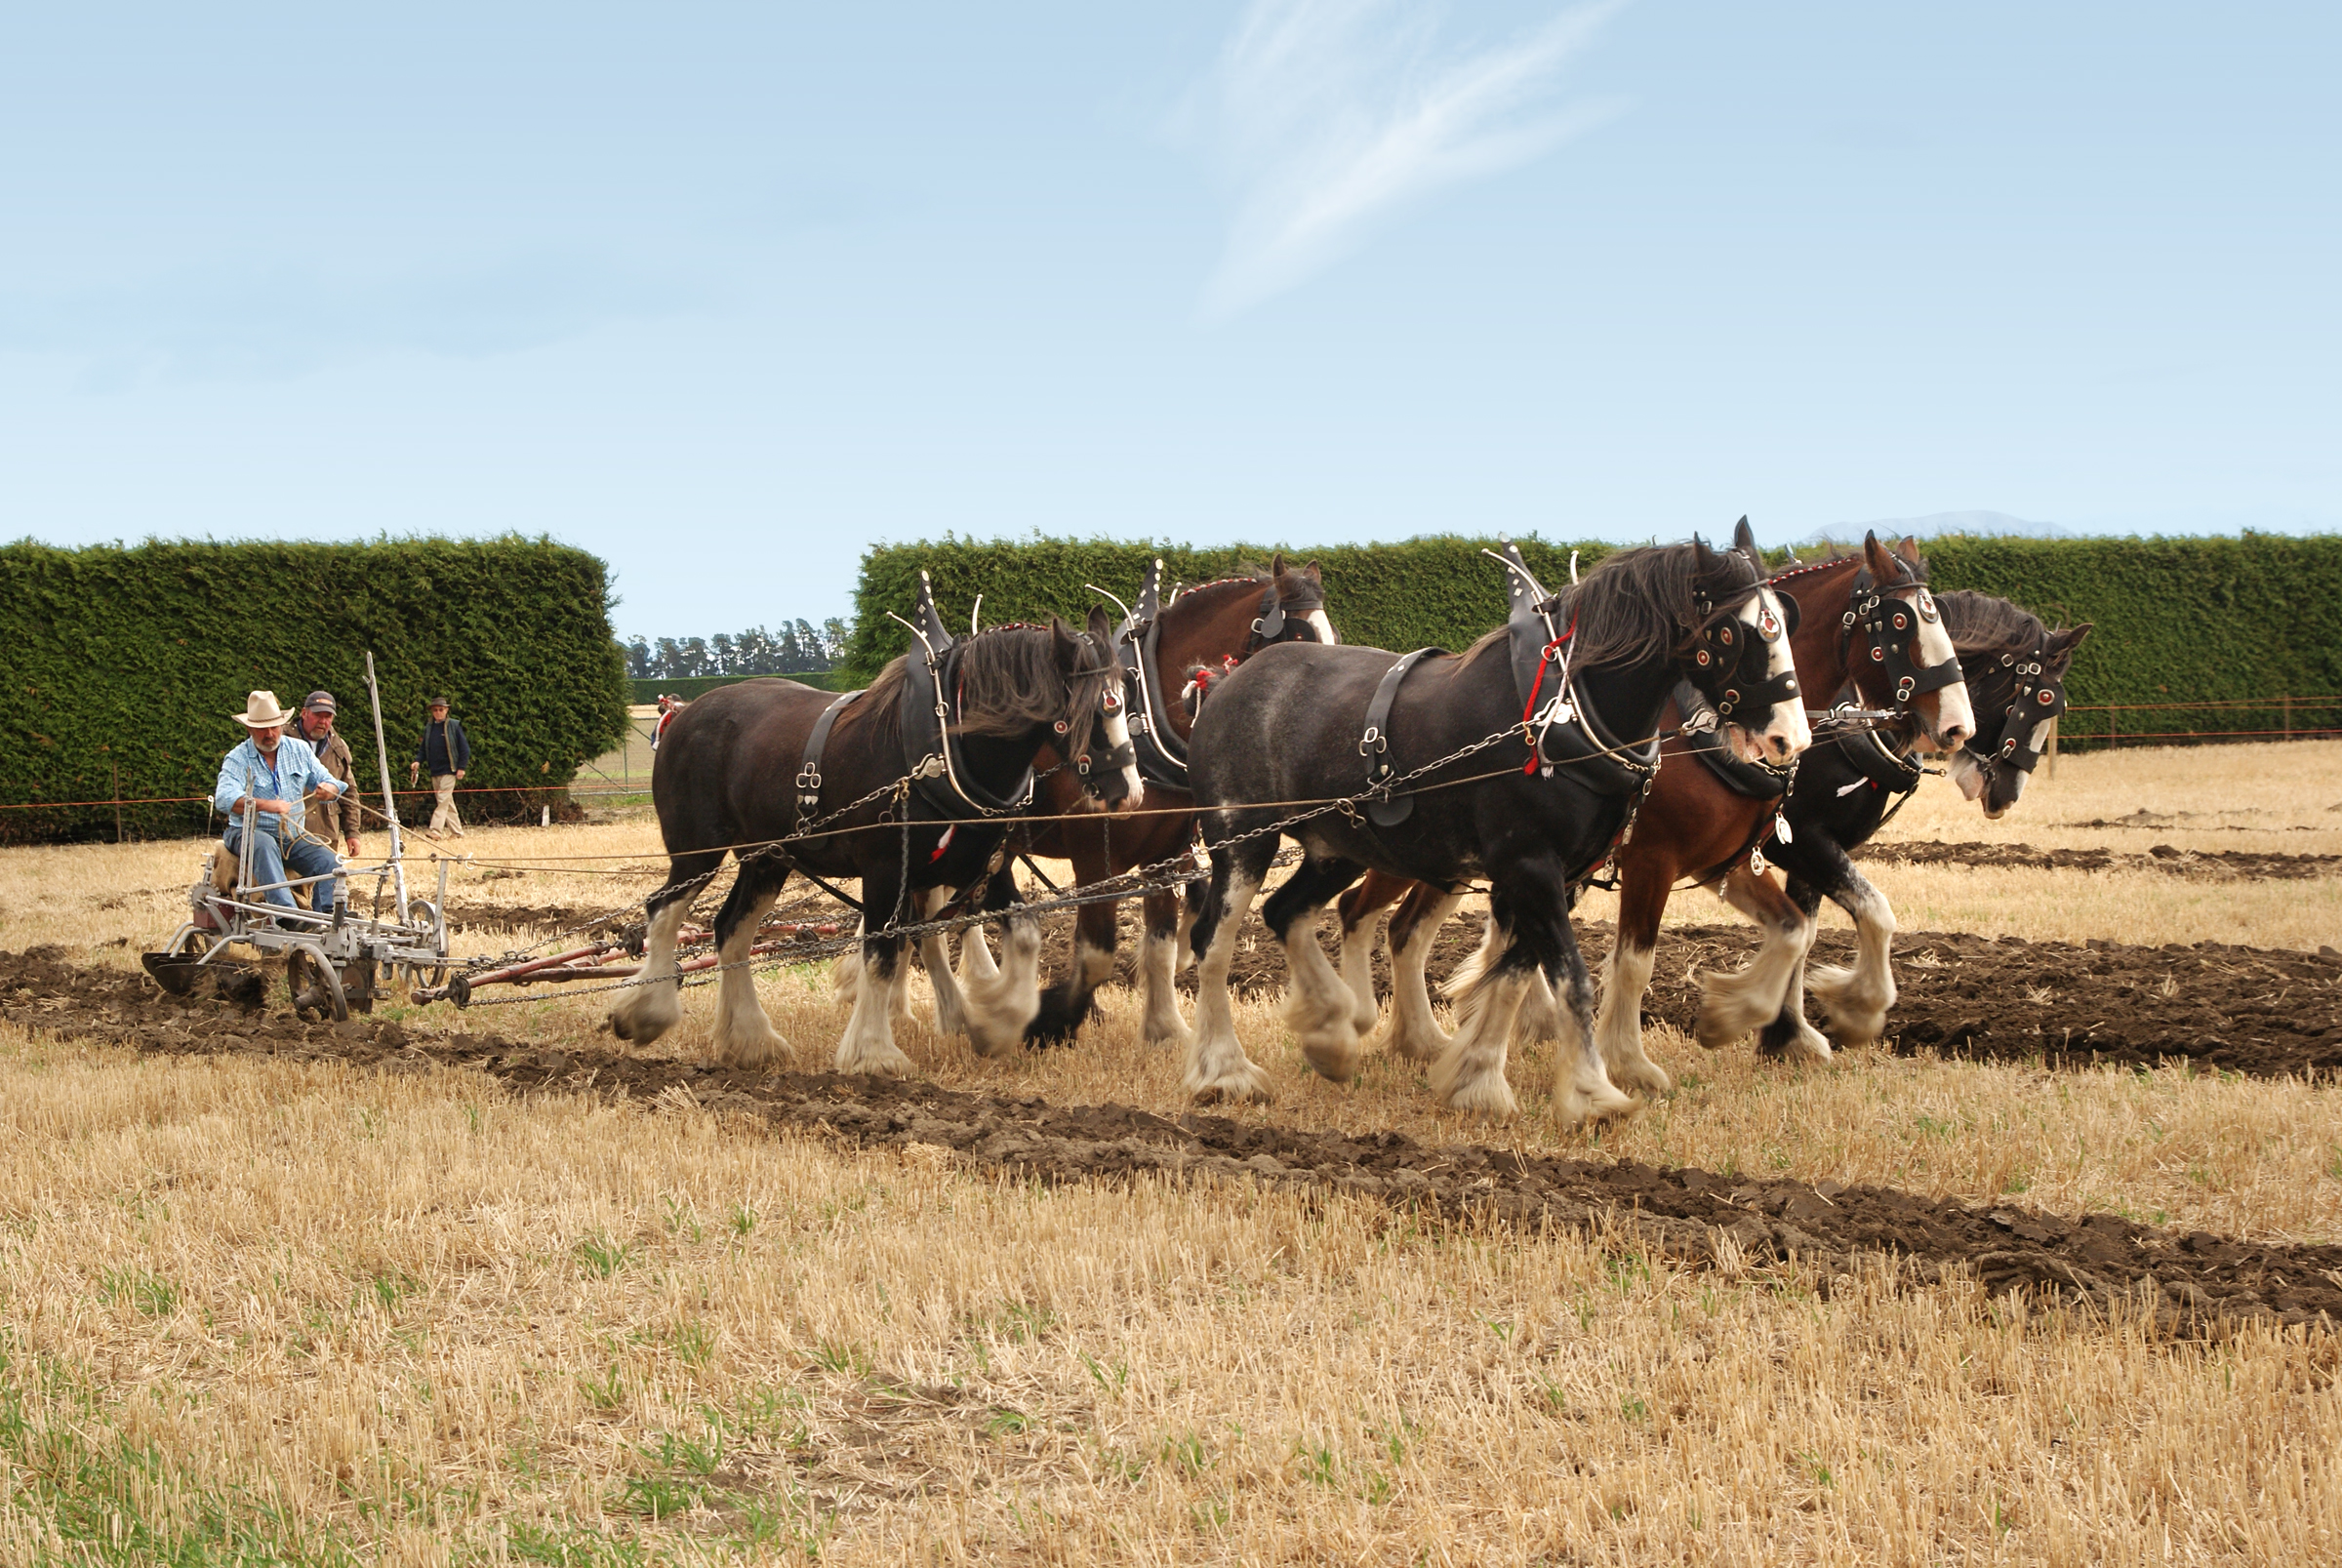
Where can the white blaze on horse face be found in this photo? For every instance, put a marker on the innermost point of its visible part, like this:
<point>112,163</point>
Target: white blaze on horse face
<point>1966,773</point>
<point>1115,724</point>
<point>1955,717</point>
<point>1785,732</point>
<point>1324,629</point>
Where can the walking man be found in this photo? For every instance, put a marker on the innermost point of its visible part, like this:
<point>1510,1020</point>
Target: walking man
<point>337,818</point>
<point>273,771</point>
<point>447,752</point>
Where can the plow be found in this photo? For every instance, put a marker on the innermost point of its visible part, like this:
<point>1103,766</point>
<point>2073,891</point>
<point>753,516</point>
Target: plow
<point>337,960</point>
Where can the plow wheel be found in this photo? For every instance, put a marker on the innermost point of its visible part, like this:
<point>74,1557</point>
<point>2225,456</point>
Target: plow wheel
<point>313,985</point>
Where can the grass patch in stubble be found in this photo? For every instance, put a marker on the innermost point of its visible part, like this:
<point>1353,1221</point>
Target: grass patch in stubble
<point>83,1484</point>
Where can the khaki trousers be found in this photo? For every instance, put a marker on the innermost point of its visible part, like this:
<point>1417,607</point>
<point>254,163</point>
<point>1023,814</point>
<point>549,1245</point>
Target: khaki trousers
<point>443,812</point>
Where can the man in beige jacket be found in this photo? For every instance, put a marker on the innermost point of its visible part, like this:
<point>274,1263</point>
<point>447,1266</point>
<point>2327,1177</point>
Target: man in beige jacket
<point>337,818</point>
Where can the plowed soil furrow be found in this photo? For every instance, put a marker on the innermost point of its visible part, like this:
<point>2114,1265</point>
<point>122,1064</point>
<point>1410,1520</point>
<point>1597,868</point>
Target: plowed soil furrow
<point>2263,1012</point>
<point>1694,1215</point>
<point>2217,865</point>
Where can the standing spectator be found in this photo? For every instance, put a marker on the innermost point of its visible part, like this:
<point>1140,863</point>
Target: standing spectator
<point>447,754</point>
<point>337,818</point>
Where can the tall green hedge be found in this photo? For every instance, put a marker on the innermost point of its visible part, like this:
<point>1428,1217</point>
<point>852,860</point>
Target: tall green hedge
<point>137,659</point>
<point>2176,619</point>
<point>1437,590</point>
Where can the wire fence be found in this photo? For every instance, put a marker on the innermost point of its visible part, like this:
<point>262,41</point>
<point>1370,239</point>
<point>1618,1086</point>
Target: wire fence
<point>2084,727</point>
<point>2093,726</point>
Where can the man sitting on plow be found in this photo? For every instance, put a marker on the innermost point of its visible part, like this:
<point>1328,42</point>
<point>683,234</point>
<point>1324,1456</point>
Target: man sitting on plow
<point>274,770</point>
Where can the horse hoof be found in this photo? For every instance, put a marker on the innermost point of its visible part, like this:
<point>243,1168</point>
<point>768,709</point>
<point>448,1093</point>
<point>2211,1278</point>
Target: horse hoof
<point>1239,1089</point>
<point>1487,1096</point>
<point>1644,1077</point>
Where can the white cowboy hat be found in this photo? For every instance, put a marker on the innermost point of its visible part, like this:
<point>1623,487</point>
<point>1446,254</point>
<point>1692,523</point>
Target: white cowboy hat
<point>260,712</point>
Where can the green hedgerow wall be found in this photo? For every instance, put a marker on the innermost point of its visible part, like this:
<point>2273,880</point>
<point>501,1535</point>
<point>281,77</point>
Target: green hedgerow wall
<point>136,659</point>
<point>2176,619</point>
<point>1440,591</point>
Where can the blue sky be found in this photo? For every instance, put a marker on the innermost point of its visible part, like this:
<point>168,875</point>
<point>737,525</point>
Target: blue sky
<point>724,294</point>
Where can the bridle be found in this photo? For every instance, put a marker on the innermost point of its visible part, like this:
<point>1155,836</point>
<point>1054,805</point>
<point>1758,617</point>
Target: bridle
<point>1094,769</point>
<point>1890,625</point>
<point>1732,670</point>
<point>1273,626</point>
<point>2039,696</point>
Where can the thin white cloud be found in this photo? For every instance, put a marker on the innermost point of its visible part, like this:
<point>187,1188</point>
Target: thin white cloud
<point>1328,114</point>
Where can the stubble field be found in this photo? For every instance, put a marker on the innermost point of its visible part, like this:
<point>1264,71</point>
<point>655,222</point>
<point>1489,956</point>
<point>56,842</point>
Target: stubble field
<point>2054,1279</point>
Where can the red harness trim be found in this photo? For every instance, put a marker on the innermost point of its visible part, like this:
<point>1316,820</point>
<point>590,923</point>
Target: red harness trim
<point>1544,658</point>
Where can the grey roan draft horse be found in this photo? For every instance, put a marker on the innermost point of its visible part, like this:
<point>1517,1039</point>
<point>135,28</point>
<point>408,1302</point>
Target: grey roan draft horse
<point>1292,723</point>
<point>963,729</point>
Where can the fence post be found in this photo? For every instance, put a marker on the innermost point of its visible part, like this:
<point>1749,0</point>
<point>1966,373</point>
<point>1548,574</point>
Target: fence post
<point>2112,722</point>
<point>2289,719</point>
<point>115,764</point>
<point>2053,750</point>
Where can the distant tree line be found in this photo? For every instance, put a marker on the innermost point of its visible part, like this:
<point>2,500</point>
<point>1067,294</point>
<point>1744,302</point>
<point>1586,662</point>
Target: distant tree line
<point>797,648</point>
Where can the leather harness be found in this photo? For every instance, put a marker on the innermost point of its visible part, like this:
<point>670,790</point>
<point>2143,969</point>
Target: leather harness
<point>2039,696</point>
<point>941,789</point>
<point>1162,756</point>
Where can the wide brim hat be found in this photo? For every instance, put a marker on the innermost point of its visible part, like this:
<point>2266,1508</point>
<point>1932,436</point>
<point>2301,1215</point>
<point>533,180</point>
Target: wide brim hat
<point>436,701</point>
<point>261,713</point>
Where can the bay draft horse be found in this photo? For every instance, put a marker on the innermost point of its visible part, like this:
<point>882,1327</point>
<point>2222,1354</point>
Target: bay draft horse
<point>1532,816</point>
<point>1705,816</point>
<point>977,709</point>
<point>2015,674</point>
<point>1204,630</point>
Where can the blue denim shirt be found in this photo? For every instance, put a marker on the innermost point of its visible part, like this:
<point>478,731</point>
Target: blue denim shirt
<point>296,772</point>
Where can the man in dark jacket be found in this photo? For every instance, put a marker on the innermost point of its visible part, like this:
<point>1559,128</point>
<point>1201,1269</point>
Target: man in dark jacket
<point>447,754</point>
<point>337,818</point>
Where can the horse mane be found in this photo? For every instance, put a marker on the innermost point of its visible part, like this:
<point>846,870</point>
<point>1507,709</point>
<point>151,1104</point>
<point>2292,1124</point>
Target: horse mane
<point>1640,605</point>
<point>1980,622</point>
<point>1295,590</point>
<point>1918,571</point>
<point>1009,683</point>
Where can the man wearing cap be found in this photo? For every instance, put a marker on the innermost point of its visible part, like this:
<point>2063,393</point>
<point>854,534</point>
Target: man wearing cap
<point>338,818</point>
<point>273,771</point>
<point>447,752</point>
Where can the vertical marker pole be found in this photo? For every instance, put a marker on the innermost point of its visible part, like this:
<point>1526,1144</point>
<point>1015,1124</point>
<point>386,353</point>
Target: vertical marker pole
<point>382,755</point>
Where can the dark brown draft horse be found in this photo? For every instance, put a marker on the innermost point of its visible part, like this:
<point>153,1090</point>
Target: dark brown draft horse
<point>1517,761</point>
<point>2015,671</point>
<point>1209,628</point>
<point>956,723</point>
<point>1703,816</point>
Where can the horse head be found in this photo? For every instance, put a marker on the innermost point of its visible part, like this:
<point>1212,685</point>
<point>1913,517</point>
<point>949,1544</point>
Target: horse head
<point>1294,606</point>
<point>1738,652</point>
<point>1907,661</point>
<point>1102,752</point>
<point>2016,681</point>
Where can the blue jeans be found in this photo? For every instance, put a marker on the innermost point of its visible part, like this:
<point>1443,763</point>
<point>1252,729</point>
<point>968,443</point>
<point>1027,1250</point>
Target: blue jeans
<point>308,857</point>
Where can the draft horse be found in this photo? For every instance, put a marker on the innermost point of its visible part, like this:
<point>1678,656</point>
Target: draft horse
<point>1846,791</point>
<point>1167,650</point>
<point>954,725</point>
<point>1517,761</point>
<point>1863,621</point>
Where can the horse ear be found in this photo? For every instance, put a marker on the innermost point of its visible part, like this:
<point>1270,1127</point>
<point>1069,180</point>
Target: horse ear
<point>1276,565</point>
<point>1908,549</point>
<point>1744,537</point>
<point>1880,560</point>
<point>1069,650</point>
<point>2065,640</point>
<point>1311,572</point>
<point>1100,626</point>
